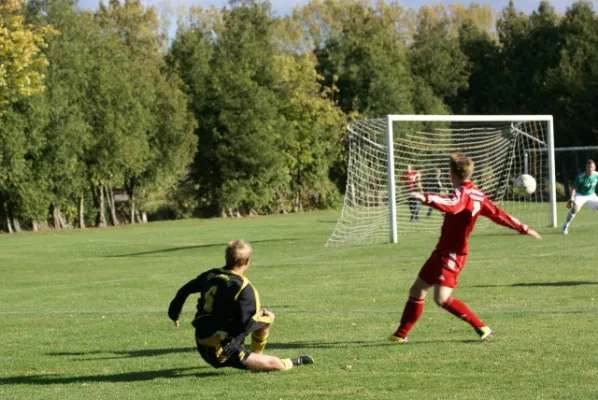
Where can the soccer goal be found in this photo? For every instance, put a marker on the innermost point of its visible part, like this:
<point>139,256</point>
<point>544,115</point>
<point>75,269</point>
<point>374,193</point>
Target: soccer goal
<point>386,154</point>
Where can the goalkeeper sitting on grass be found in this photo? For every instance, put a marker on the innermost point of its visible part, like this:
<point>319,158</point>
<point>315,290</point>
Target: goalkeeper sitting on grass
<point>228,311</point>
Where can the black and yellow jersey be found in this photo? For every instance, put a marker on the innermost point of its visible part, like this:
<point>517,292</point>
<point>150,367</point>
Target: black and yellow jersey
<point>228,303</point>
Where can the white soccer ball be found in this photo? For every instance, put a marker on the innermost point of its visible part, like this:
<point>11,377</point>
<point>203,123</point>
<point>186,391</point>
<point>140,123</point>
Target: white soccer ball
<point>524,185</point>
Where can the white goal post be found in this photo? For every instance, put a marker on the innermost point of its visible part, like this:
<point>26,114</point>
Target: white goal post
<point>385,152</point>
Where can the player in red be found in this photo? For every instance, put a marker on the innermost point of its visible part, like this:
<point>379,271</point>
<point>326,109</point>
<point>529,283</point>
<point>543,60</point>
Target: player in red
<point>411,182</point>
<point>445,264</point>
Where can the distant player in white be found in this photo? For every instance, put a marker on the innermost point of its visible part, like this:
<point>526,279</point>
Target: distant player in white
<point>583,191</point>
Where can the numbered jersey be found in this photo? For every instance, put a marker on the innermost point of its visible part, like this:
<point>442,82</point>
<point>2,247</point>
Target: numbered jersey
<point>228,303</point>
<point>462,210</point>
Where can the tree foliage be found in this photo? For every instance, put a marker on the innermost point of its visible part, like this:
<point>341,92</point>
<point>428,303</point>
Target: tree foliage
<point>243,111</point>
<point>21,60</point>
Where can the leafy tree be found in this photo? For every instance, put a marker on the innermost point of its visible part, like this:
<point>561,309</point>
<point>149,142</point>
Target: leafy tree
<point>436,58</point>
<point>66,130</point>
<point>21,60</point>
<point>368,64</point>
<point>230,78</point>
<point>313,125</point>
<point>485,67</point>
<point>576,78</point>
<point>23,193</point>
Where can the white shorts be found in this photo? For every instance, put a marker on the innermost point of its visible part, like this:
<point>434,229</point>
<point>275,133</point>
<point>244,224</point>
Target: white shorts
<point>591,199</point>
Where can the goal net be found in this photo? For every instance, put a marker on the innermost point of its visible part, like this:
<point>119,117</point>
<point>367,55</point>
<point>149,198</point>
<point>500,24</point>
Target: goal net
<point>502,148</point>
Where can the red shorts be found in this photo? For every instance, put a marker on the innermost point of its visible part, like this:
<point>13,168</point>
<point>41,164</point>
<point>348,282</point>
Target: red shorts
<point>443,268</point>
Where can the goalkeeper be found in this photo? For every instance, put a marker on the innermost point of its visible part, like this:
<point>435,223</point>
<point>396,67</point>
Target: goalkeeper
<point>583,191</point>
<point>228,311</point>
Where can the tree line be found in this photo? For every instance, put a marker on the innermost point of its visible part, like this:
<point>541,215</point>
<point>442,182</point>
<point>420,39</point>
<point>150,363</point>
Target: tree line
<point>103,119</point>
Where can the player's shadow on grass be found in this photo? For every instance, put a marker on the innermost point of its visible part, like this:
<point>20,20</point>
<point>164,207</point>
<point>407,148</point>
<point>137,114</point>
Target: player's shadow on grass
<point>540,284</point>
<point>194,247</point>
<point>124,377</point>
<point>126,354</point>
<point>383,342</point>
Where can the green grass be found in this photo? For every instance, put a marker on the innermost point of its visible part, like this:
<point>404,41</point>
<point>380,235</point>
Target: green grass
<point>84,314</point>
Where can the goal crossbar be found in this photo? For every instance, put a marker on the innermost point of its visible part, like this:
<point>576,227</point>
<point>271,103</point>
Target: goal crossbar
<point>469,118</point>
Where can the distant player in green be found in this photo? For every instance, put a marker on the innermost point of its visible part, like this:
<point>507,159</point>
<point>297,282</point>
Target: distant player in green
<point>229,310</point>
<point>583,191</point>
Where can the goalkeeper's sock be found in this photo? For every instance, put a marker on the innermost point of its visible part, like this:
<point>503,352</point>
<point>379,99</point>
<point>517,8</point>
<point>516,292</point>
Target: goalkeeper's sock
<point>295,362</point>
<point>570,217</point>
<point>460,310</point>
<point>413,310</point>
<point>258,343</point>
<point>288,363</point>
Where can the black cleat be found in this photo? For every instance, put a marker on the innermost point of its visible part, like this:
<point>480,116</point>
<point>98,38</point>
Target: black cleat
<point>302,360</point>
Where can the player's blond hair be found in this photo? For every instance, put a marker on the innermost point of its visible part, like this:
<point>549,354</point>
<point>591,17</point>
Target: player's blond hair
<point>237,253</point>
<point>461,166</point>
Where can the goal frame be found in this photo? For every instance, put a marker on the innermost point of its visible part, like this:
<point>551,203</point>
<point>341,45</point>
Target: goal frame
<point>464,118</point>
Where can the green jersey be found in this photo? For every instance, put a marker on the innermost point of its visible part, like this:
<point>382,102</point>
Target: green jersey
<point>585,185</point>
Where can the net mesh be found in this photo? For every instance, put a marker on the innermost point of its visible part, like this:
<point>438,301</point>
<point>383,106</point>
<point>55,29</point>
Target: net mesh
<point>501,151</point>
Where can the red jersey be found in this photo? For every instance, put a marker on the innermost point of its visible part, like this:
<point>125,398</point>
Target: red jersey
<point>408,179</point>
<point>462,210</point>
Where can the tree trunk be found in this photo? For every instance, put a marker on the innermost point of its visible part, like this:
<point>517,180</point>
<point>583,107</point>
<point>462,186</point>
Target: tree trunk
<point>131,192</point>
<point>63,223</point>
<point>111,206</point>
<point>56,217</point>
<point>297,203</point>
<point>34,226</point>
<point>132,200</point>
<point>7,219</point>
<point>81,212</point>
<point>58,220</point>
<point>101,218</point>
<point>16,224</point>
<point>144,217</point>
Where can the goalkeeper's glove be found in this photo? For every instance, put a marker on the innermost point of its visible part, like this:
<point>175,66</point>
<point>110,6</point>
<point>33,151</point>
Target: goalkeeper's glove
<point>570,203</point>
<point>233,346</point>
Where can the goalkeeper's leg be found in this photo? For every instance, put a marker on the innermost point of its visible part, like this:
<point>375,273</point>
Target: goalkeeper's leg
<point>257,361</point>
<point>262,362</point>
<point>259,338</point>
<point>575,207</point>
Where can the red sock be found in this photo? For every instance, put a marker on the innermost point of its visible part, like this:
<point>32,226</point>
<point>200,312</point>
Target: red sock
<point>460,310</point>
<point>413,310</point>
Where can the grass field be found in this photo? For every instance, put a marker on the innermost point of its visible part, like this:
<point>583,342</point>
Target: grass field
<point>84,314</point>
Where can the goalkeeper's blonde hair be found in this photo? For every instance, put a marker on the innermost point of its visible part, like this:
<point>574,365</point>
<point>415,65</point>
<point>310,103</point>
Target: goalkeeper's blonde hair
<point>237,253</point>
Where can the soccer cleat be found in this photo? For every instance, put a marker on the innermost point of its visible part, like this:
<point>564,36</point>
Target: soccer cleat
<point>302,360</point>
<point>485,333</point>
<point>397,340</point>
<point>565,230</point>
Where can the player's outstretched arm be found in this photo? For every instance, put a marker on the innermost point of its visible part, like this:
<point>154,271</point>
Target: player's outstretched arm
<point>176,305</point>
<point>498,216</point>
